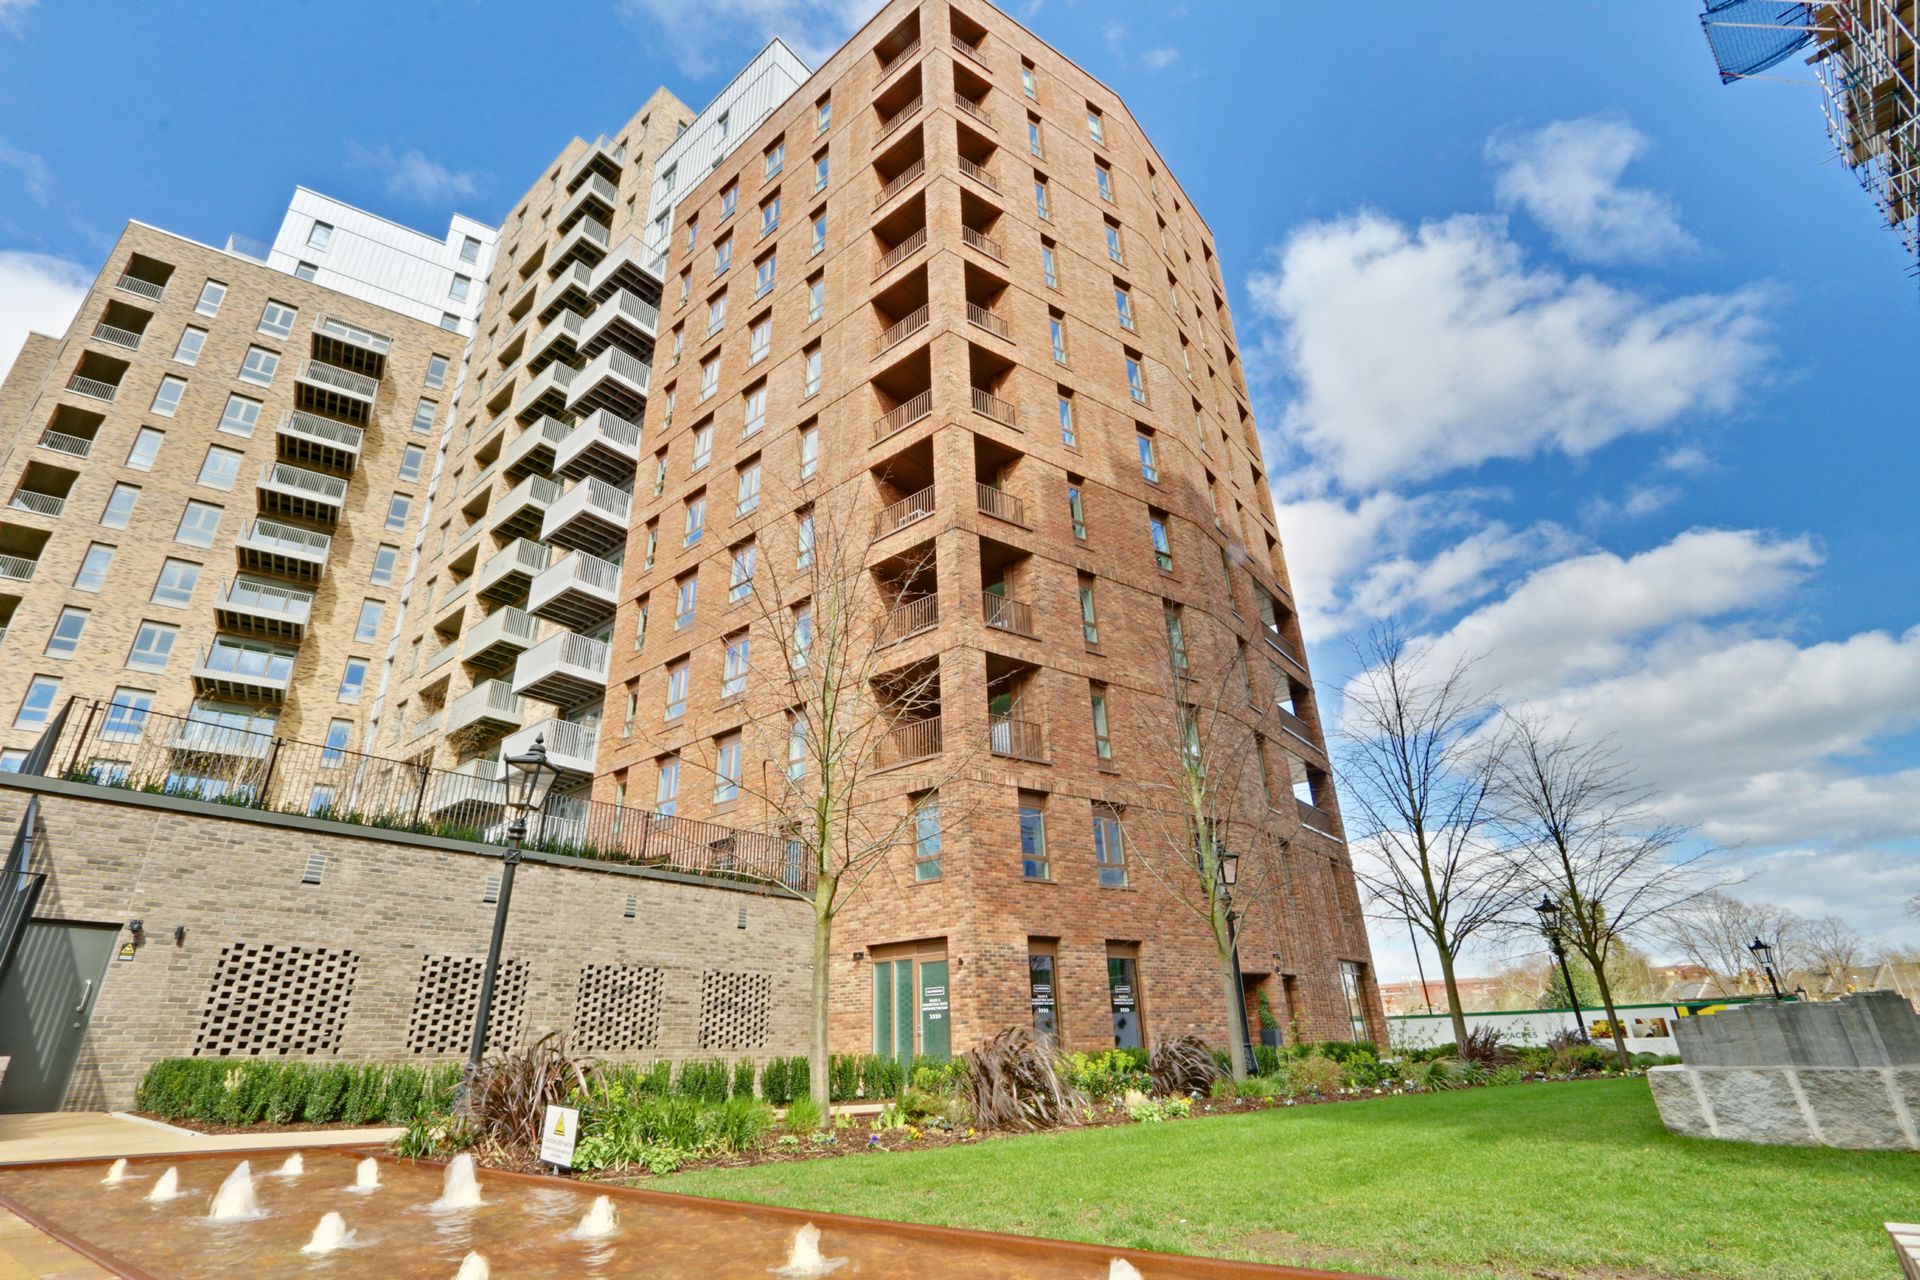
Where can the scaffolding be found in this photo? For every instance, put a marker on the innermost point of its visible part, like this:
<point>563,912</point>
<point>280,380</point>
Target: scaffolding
<point>1863,57</point>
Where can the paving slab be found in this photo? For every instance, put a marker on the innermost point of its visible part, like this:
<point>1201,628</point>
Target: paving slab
<point>84,1135</point>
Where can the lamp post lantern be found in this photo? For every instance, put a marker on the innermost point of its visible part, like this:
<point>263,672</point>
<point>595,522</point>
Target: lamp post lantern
<point>527,779</point>
<point>1550,926</point>
<point>1763,956</point>
<point>1226,864</point>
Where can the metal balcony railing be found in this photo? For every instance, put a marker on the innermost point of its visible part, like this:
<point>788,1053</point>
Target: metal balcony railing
<point>61,442</point>
<point>979,173</point>
<point>1016,739</point>
<point>901,252</point>
<point>326,431</point>
<point>977,314</point>
<point>17,568</point>
<point>505,628</point>
<point>345,381</point>
<point>488,700</point>
<point>117,336</point>
<point>968,106</point>
<point>899,59</point>
<point>909,510</point>
<point>93,387</point>
<point>314,485</point>
<point>40,504</point>
<point>287,603</point>
<point>972,51</point>
<point>268,666</point>
<point>1002,411</point>
<point>897,119</point>
<point>1000,504</point>
<point>983,242</point>
<point>910,619</point>
<point>906,743</point>
<point>571,748</point>
<point>902,416</point>
<point>144,288</point>
<point>274,536</point>
<point>900,181</point>
<point>1005,614</point>
<point>913,322</point>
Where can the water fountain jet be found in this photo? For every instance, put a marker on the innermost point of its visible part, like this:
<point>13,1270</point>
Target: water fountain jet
<point>472,1267</point>
<point>804,1259</point>
<point>293,1168</point>
<point>1123,1270</point>
<point>331,1234</point>
<point>461,1189</point>
<point>366,1175</point>
<point>116,1172</point>
<point>235,1200</point>
<point>166,1186</point>
<point>599,1221</point>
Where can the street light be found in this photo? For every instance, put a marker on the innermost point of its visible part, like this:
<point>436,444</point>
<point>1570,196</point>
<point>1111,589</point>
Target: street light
<point>1550,926</point>
<point>1226,865</point>
<point>1763,956</point>
<point>527,778</point>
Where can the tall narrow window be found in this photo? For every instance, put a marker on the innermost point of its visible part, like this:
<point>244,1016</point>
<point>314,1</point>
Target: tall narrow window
<point>810,370</point>
<point>740,580</point>
<point>1103,180</point>
<point>747,488</point>
<point>1162,546</point>
<point>1123,305</point>
<point>1102,737</point>
<point>733,672</point>
<point>1089,623</point>
<point>727,764</point>
<point>1033,836</point>
<point>1048,263</point>
<point>1066,418</point>
<point>666,791</point>
<point>146,447</point>
<point>1109,847</point>
<point>1149,468</point>
<point>926,838</point>
<point>1077,512</point>
<point>1041,206</point>
<point>676,705</point>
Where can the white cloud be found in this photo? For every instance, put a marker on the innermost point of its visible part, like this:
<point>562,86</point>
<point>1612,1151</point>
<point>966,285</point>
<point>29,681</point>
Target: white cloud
<point>411,176</point>
<point>37,293</point>
<point>1637,503</point>
<point>34,176</point>
<point>13,11</point>
<point>1417,351</point>
<point>1566,176</point>
<point>701,36</point>
<point>1162,58</point>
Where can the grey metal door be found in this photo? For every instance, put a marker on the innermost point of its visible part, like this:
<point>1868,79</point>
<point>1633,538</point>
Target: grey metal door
<point>46,1000</point>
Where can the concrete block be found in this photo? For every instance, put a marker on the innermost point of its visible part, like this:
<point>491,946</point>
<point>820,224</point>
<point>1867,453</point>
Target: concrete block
<point>1679,1102</point>
<point>1855,1108</point>
<point>1755,1105</point>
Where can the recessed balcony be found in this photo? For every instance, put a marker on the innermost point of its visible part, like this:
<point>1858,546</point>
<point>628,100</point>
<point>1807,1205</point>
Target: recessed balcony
<point>624,317</point>
<point>587,242</point>
<point>571,290</point>
<point>594,197</point>
<point>488,709</point>
<point>314,441</point>
<point>507,574</point>
<point>18,568</point>
<point>1316,819</point>
<point>1016,739</point>
<point>909,510</point>
<point>903,415</point>
<point>300,494</point>
<point>71,431</point>
<point>348,346</point>
<point>591,516</point>
<point>499,638</point>
<point>615,379</point>
<point>121,325</point>
<point>1003,613</point>
<point>264,609</point>
<point>909,742</point>
<point>146,277</point>
<point>285,550</point>
<point>449,608</point>
<point>521,512</point>
<point>579,591</point>
<point>557,339</point>
<point>97,377</point>
<point>904,621</point>
<point>604,445</point>
<point>341,393</point>
<point>533,449</point>
<point>545,393</point>
<point>244,672</point>
<point>571,748</point>
<point>36,502</point>
<point>563,669</point>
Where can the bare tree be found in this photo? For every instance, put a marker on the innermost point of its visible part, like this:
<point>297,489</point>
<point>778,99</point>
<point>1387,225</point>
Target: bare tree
<point>849,735</point>
<point>1417,774</point>
<point>1715,931</point>
<point>1913,906</point>
<point>1833,949</point>
<point>1579,830</point>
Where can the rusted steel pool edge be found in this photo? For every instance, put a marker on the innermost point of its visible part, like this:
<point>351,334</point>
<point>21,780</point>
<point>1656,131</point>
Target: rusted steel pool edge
<point>59,1235</point>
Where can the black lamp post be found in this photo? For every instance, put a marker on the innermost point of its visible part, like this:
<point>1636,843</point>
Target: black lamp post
<point>1226,865</point>
<point>1550,926</point>
<point>527,778</point>
<point>1763,956</point>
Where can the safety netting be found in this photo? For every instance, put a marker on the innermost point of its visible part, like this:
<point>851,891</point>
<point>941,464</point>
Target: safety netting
<point>1748,36</point>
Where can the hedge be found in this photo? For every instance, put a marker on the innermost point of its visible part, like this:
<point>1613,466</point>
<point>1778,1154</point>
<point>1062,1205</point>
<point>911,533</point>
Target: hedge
<point>226,1091</point>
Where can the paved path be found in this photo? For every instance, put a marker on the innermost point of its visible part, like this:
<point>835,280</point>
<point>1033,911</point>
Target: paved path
<point>26,1254</point>
<point>71,1135</point>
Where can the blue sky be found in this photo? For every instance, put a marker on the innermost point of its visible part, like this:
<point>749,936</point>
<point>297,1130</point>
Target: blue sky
<point>1567,356</point>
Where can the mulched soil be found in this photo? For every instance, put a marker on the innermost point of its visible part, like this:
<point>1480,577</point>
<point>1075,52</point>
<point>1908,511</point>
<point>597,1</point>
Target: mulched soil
<point>223,1130</point>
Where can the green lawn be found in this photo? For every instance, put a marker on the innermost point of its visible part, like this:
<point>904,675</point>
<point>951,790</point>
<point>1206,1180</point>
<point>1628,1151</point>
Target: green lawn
<point>1575,1180</point>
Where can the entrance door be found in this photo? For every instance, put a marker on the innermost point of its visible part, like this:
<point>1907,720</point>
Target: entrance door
<point>46,1000</point>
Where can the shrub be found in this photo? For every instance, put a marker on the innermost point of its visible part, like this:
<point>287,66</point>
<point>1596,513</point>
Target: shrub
<point>935,1076</point>
<point>784,1079</point>
<point>737,1124</point>
<point>843,1077</point>
<point>1263,1086</point>
<point>1506,1073</point>
<point>743,1078</point>
<point>288,1094</point>
<point>881,1076</point>
<point>366,1092</point>
<point>1017,1082</point>
<point>1438,1074</point>
<point>1363,1071</point>
<point>803,1116</point>
<point>510,1093</point>
<point>702,1079</point>
<point>1184,1065</point>
<point>325,1093</point>
<point>1485,1047</point>
<point>1266,1058</point>
<point>1109,1074</point>
<point>1315,1074</point>
<point>406,1089</point>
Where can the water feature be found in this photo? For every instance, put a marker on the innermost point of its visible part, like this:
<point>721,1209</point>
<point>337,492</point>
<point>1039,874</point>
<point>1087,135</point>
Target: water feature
<point>461,1190</point>
<point>472,1267</point>
<point>366,1176</point>
<point>599,1222</point>
<point>1123,1270</point>
<point>803,1258</point>
<point>331,1234</point>
<point>293,1168</point>
<point>166,1187</point>
<point>117,1172</point>
<point>235,1200</point>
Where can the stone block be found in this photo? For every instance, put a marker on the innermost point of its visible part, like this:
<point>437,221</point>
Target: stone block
<point>1755,1105</point>
<point>1679,1102</point>
<point>1855,1108</point>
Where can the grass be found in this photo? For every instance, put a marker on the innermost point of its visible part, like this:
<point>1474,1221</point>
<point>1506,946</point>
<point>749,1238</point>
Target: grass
<point>1577,1180</point>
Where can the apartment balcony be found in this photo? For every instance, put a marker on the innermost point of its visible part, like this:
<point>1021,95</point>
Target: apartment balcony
<point>341,393</point>
<point>985,319</point>
<point>974,50</point>
<point>300,494</point>
<point>17,568</point>
<point>984,243</point>
<point>245,673</point>
<point>622,317</point>
<point>350,347</point>
<point>490,708</point>
<point>285,550</point>
<point>426,726</point>
<point>1316,819</point>
<point>587,242</point>
<point>599,160</point>
<point>507,574</point>
<point>898,118</point>
<point>114,335</point>
<point>545,393</point>
<point>590,517</point>
<point>968,107</point>
<point>499,638</point>
<point>521,512</point>
<point>910,510</point>
<point>630,266</point>
<point>36,503</point>
<point>571,748</point>
<point>198,737</point>
<point>979,173</point>
<point>905,621</point>
<point>571,290</point>
<point>151,290</point>
<point>579,591</point>
<point>595,197</point>
<point>615,379</point>
<point>604,445</point>
<point>903,415</point>
<point>319,442</point>
<point>899,58</point>
<point>899,331</point>
<point>437,659</point>
<point>472,788</point>
<point>1003,613</point>
<point>1016,739</point>
<point>448,608</point>
<point>900,182</point>
<point>907,743</point>
<point>913,242</point>
<point>263,609</point>
<point>533,449</point>
<point>557,339</point>
<point>65,442</point>
<point>564,668</point>
<point>101,383</point>
<point>1298,729</point>
<point>1000,504</point>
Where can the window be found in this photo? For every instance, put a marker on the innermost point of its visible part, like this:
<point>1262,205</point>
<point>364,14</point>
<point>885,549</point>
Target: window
<point>423,415</point>
<point>259,366</point>
<point>702,445</point>
<point>353,679</point>
<point>716,314</point>
<point>1136,379</point>
<point>176,582</point>
<point>460,288</point>
<point>822,170</point>
<point>666,792</point>
<point>769,215</point>
<point>339,733</point>
<point>320,235</point>
<point>759,340</point>
<point>823,115</point>
<point>1162,548</point>
<point>240,416</point>
<point>212,294</point>
<point>399,507</point>
<point>816,298</point>
<point>1029,83</point>
<point>306,271</point>
<point>676,690</point>
<point>740,581</point>
<point>93,568</point>
<point>1109,847</point>
<point>166,400</point>
<point>127,714</point>
<point>686,288</point>
<point>187,350</point>
<point>686,600</point>
<point>384,561</point>
<point>776,160</point>
<point>640,625</point>
<point>1040,206</point>
<point>748,493</point>
<point>763,274</point>
<point>276,319</point>
<point>1096,127</point>
<point>220,467</point>
<point>802,636</point>
<point>1089,623</point>
<point>65,638</point>
<point>1176,636</point>
<point>729,199</point>
<point>926,838</point>
<point>1149,469</point>
<point>659,473</point>
<point>1123,305</point>
<point>1114,251</point>
<point>1048,261</point>
<point>1103,179</point>
<point>368,627</point>
<point>120,504</point>
<point>1351,983</point>
<point>696,526</point>
<point>819,231</point>
<point>809,452</point>
<point>152,646</point>
<point>436,371</point>
<point>726,769</point>
<point>753,410</point>
<point>1077,511</point>
<point>1035,145</point>
<point>803,539</point>
<point>198,524</point>
<point>1066,418</point>
<point>810,371</point>
<point>709,377</point>
<point>469,249</point>
<point>410,462</point>
<point>1057,330</point>
<point>796,746</point>
<point>666,419</point>
<point>693,234</point>
<point>733,675</point>
<point>449,321</point>
<point>146,447</point>
<point>1033,837</point>
<point>1102,737</point>
<point>37,703</point>
<point>722,255</point>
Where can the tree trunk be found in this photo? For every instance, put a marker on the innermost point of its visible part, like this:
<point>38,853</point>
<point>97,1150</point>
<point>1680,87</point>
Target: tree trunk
<point>1236,998</point>
<point>1445,953</point>
<point>819,1062</point>
<point>1613,1018</point>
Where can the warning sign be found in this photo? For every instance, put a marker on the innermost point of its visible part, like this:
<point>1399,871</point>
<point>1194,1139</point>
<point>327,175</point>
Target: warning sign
<point>558,1132</point>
